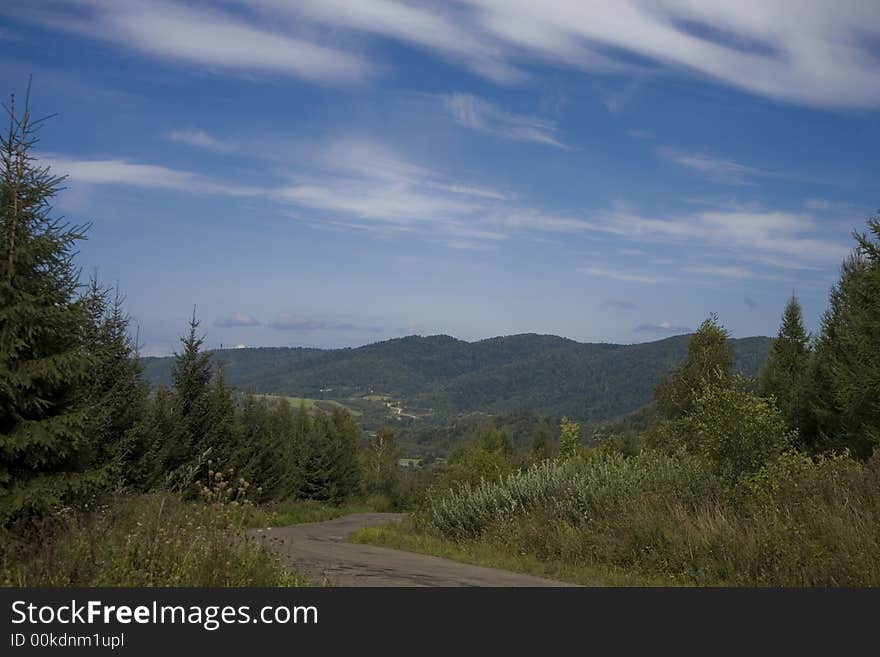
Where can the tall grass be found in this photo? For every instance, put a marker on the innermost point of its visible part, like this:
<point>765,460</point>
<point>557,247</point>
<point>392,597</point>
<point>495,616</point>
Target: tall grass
<point>145,540</point>
<point>575,491</point>
<point>796,522</point>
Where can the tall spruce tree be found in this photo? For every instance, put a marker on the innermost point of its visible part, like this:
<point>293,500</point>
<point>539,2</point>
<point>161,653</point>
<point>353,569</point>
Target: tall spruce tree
<point>821,431</point>
<point>845,397</point>
<point>162,429</point>
<point>785,374</point>
<point>219,434</point>
<point>118,395</point>
<point>345,437</point>
<point>541,447</point>
<point>318,461</point>
<point>46,453</point>
<point>191,376</point>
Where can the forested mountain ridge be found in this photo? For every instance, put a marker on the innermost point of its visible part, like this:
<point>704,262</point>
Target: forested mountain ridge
<point>544,373</point>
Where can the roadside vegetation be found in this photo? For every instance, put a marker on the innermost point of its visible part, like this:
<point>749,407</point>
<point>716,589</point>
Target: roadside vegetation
<point>766,482</point>
<point>154,539</point>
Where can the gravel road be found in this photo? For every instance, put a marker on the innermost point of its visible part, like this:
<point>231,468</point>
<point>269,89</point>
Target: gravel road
<point>320,552</point>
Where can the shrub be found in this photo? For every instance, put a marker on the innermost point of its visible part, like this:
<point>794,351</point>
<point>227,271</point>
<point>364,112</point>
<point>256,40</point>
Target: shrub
<point>737,431</point>
<point>569,439</point>
<point>732,428</point>
<point>577,490</point>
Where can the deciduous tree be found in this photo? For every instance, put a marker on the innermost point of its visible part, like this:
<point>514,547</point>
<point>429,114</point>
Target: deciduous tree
<point>709,360</point>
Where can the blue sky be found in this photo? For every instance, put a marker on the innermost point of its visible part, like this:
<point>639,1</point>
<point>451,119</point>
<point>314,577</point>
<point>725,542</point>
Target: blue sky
<point>337,172</point>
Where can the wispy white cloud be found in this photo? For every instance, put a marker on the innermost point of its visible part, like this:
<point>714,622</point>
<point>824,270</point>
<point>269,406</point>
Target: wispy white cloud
<point>469,190</point>
<point>817,204</point>
<point>361,201</point>
<point>468,245</point>
<point>725,271</point>
<point>236,319</point>
<point>620,304</point>
<point>201,139</point>
<point>135,174</point>
<point>617,275</point>
<point>199,35</point>
<point>786,238</point>
<point>356,184</point>
<point>827,207</point>
<point>717,168</point>
<point>364,185</point>
<point>733,271</point>
<point>809,52</point>
<point>435,28</point>
<point>662,327</point>
<point>364,182</point>
<point>299,324</point>
<point>778,239</point>
<point>806,51</point>
<point>481,115</point>
<point>528,219</point>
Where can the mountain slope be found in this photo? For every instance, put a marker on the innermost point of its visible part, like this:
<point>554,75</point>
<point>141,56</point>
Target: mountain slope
<point>543,373</point>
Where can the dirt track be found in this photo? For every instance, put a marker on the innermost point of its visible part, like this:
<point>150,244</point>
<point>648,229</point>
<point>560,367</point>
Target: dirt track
<point>320,552</point>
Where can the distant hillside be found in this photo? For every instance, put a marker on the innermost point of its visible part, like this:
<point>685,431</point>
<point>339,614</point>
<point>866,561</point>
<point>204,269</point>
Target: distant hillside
<point>542,373</point>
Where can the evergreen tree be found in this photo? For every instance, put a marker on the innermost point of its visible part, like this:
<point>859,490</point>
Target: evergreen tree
<point>784,377</point>
<point>318,461</point>
<point>709,360</point>
<point>219,424</point>
<point>822,425</point>
<point>258,456</point>
<point>117,394</point>
<point>287,440</point>
<point>846,410</point>
<point>191,384</point>
<point>159,429</point>
<point>46,453</point>
<point>541,448</point>
<point>302,423</point>
<point>345,437</point>
<point>493,440</point>
<point>328,457</point>
<point>191,371</point>
<point>268,449</point>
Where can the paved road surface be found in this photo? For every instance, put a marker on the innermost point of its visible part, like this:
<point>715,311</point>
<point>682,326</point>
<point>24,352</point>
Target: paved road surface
<point>320,552</point>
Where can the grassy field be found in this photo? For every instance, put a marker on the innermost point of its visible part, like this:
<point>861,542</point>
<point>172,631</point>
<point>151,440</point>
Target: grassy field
<point>311,404</point>
<point>403,536</point>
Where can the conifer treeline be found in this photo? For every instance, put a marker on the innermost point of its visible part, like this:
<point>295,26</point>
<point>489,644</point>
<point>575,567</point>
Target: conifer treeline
<point>280,452</point>
<point>828,388</point>
<point>76,417</point>
<point>817,395</point>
